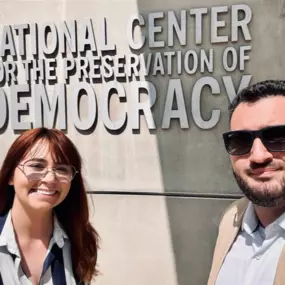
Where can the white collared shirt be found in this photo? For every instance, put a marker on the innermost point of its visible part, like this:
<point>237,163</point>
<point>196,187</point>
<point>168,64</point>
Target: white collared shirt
<point>10,268</point>
<point>253,257</point>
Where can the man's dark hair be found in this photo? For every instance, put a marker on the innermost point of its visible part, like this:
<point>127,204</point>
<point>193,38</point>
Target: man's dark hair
<point>256,92</point>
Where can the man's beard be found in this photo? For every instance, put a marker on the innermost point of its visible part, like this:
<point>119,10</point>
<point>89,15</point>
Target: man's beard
<point>267,197</point>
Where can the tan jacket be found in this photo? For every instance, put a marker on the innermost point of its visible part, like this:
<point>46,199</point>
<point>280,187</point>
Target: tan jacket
<point>228,230</point>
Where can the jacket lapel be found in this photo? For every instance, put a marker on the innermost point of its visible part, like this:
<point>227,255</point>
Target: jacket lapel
<point>280,272</point>
<point>228,230</point>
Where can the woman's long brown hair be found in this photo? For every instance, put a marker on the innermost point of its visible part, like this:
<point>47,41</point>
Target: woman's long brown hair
<point>73,212</point>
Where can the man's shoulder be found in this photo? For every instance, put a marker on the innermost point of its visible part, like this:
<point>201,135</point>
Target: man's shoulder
<point>237,206</point>
<point>235,210</point>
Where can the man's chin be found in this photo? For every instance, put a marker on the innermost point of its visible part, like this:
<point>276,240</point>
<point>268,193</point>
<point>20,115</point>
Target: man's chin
<point>262,193</point>
<point>263,200</point>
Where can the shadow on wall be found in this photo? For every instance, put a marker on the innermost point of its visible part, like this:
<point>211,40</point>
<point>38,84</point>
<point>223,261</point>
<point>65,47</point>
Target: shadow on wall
<point>192,156</point>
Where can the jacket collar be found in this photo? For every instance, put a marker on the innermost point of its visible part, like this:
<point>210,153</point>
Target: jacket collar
<point>229,227</point>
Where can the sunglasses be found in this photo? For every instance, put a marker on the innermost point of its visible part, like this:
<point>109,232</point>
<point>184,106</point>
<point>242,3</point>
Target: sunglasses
<point>240,142</point>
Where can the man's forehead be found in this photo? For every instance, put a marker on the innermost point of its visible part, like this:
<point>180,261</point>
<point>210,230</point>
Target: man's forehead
<point>255,115</point>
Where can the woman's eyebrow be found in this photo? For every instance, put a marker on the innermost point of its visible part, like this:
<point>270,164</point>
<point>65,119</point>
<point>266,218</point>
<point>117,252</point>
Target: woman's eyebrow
<point>38,159</point>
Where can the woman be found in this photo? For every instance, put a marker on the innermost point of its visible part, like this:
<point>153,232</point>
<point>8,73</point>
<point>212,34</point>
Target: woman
<point>46,237</point>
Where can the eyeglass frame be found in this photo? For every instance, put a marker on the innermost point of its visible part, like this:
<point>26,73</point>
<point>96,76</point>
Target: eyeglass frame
<point>48,169</point>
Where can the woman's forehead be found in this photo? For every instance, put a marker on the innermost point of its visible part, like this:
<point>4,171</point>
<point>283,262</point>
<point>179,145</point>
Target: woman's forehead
<point>41,149</point>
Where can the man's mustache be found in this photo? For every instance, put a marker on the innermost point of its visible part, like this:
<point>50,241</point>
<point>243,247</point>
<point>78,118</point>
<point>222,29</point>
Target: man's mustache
<point>254,166</point>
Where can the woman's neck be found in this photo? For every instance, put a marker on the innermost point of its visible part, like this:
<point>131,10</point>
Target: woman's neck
<point>31,224</point>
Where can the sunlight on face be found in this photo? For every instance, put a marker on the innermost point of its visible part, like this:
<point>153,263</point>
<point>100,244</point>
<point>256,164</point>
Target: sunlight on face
<point>260,173</point>
<point>44,193</point>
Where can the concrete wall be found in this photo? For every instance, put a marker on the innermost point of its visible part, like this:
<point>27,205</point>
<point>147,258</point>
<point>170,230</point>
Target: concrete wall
<point>158,194</point>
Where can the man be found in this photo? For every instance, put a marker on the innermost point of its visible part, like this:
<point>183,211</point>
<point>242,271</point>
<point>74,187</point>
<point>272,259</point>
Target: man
<point>250,248</point>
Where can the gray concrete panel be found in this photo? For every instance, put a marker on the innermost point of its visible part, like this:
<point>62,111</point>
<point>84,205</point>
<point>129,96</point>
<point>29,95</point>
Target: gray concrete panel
<point>162,160</point>
<point>150,240</point>
<point>194,160</point>
<point>194,224</point>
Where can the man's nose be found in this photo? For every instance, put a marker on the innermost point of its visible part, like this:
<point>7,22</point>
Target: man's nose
<point>259,153</point>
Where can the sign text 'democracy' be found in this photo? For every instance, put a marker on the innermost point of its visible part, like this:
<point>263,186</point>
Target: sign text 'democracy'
<point>47,68</point>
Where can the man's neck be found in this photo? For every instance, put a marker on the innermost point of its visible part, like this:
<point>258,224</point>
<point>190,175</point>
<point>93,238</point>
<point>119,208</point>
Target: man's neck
<point>267,215</point>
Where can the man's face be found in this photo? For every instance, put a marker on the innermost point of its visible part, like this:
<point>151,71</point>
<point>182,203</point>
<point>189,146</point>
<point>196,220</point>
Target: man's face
<point>260,173</point>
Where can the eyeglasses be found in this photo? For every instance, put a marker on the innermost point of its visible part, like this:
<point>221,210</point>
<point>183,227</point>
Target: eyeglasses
<point>240,142</point>
<point>35,170</point>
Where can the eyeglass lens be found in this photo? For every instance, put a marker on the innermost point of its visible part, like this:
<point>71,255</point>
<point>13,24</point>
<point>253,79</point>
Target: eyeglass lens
<point>240,142</point>
<point>36,170</point>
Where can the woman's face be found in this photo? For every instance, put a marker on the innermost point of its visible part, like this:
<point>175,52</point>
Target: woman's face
<point>33,191</point>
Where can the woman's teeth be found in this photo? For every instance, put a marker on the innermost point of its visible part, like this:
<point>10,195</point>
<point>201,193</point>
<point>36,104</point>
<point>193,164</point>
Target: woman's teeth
<point>43,192</point>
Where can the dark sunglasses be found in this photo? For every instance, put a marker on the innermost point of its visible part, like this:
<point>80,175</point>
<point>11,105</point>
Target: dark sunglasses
<point>240,142</point>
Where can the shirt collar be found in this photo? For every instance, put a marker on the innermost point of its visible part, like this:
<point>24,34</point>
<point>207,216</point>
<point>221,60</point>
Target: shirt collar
<point>7,237</point>
<point>58,233</point>
<point>250,221</point>
<point>280,221</point>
